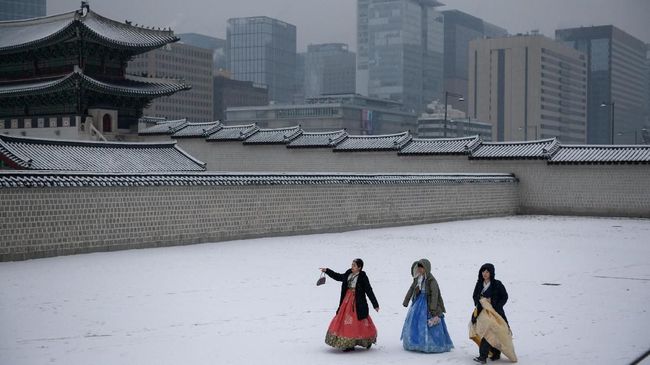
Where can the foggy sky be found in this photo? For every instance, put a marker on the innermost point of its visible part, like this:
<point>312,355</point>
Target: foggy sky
<point>322,21</point>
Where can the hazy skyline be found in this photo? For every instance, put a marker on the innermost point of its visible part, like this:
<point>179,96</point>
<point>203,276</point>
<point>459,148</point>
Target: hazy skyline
<point>325,21</point>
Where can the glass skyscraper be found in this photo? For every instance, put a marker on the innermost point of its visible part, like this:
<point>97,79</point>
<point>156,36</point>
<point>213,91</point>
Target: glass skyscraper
<point>616,76</point>
<point>263,50</point>
<point>460,29</point>
<point>400,51</point>
<point>21,9</point>
<point>329,69</point>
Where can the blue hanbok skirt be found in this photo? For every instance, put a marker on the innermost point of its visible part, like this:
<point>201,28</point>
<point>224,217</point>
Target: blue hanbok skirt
<point>418,336</point>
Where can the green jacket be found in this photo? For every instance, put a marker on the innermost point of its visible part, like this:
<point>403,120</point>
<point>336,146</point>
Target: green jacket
<point>434,299</point>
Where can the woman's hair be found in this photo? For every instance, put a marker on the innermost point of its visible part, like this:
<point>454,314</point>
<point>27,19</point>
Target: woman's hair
<point>420,265</point>
<point>359,263</point>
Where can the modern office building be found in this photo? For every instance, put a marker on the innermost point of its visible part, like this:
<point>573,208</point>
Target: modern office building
<point>616,74</point>
<point>460,29</point>
<point>263,50</point>
<point>528,87</point>
<point>436,127</point>
<point>22,9</point>
<point>355,113</point>
<point>400,51</point>
<point>217,45</point>
<point>230,93</point>
<point>329,69</point>
<point>179,61</point>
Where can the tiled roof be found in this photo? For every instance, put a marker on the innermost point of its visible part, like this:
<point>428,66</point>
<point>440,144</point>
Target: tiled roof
<point>104,157</point>
<point>387,142</point>
<point>166,127</point>
<point>601,154</point>
<point>131,86</point>
<point>541,149</point>
<point>197,130</point>
<point>274,136</point>
<point>318,139</point>
<point>18,179</point>
<point>233,132</point>
<point>441,146</point>
<point>19,35</point>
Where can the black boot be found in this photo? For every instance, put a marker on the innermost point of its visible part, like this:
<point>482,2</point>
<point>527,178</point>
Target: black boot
<point>480,360</point>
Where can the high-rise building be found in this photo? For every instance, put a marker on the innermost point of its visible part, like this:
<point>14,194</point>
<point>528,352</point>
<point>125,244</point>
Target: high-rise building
<point>528,87</point>
<point>263,50</point>
<point>179,61</point>
<point>230,93</point>
<point>217,45</point>
<point>400,47</point>
<point>460,29</point>
<point>616,64</point>
<point>329,69</point>
<point>647,120</point>
<point>21,9</point>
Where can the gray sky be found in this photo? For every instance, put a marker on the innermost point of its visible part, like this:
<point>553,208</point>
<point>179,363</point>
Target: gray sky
<point>321,21</point>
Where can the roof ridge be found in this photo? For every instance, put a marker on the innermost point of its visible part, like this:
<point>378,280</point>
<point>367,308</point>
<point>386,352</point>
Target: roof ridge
<point>324,133</point>
<point>400,134</point>
<point>69,142</point>
<point>446,139</point>
<point>537,141</point>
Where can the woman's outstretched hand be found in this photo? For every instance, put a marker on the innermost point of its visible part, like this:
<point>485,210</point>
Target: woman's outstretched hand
<point>377,309</point>
<point>322,269</point>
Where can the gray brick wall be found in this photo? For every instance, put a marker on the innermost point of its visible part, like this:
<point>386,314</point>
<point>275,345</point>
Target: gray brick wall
<point>600,190</point>
<point>42,222</point>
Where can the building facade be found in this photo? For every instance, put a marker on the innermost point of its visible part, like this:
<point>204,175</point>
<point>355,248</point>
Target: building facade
<point>22,9</point>
<point>64,76</point>
<point>528,87</point>
<point>431,127</point>
<point>185,62</point>
<point>230,93</point>
<point>329,69</point>
<point>460,29</point>
<point>263,50</point>
<point>616,66</point>
<point>401,47</point>
<point>355,113</point>
<point>217,45</point>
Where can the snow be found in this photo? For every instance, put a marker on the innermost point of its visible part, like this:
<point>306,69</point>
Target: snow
<point>256,302</point>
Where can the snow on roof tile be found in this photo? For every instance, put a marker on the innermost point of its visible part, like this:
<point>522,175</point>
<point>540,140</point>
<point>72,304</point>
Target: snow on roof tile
<point>233,132</point>
<point>197,130</point>
<point>541,149</point>
<point>274,136</point>
<point>318,139</point>
<point>601,154</point>
<point>22,179</point>
<point>386,142</point>
<point>104,157</point>
<point>440,146</point>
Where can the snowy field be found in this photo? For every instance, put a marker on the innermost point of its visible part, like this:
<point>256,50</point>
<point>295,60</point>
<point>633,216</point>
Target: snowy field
<point>255,301</point>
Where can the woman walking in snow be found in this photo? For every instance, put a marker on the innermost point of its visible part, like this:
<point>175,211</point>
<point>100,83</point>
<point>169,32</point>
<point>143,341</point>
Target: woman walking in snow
<point>489,325</point>
<point>425,329</point>
<point>352,325</point>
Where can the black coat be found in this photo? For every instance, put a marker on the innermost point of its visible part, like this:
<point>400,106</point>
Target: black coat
<point>362,289</point>
<point>497,294</point>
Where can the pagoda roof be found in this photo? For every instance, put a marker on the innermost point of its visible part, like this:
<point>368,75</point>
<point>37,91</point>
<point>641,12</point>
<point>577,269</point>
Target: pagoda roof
<point>106,157</point>
<point>20,35</point>
<point>130,86</point>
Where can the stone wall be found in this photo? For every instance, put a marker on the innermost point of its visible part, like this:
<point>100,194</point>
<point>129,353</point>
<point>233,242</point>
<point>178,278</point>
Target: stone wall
<point>69,218</point>
<point>598,189</point>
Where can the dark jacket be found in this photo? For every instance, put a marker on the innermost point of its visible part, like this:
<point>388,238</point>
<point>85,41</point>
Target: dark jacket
<point>496,292</point>
<point>434,300</point>
<point>362,289</point>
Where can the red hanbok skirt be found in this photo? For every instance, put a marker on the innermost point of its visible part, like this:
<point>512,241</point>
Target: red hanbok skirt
<point>346,331</point>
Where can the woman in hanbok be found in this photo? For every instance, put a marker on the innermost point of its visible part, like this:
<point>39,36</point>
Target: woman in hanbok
<point>352,325</point>
<point>425,329</point>
<point>489,326</point>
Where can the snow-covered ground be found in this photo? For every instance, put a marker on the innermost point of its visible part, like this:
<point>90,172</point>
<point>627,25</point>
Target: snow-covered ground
<point>255,301</point>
